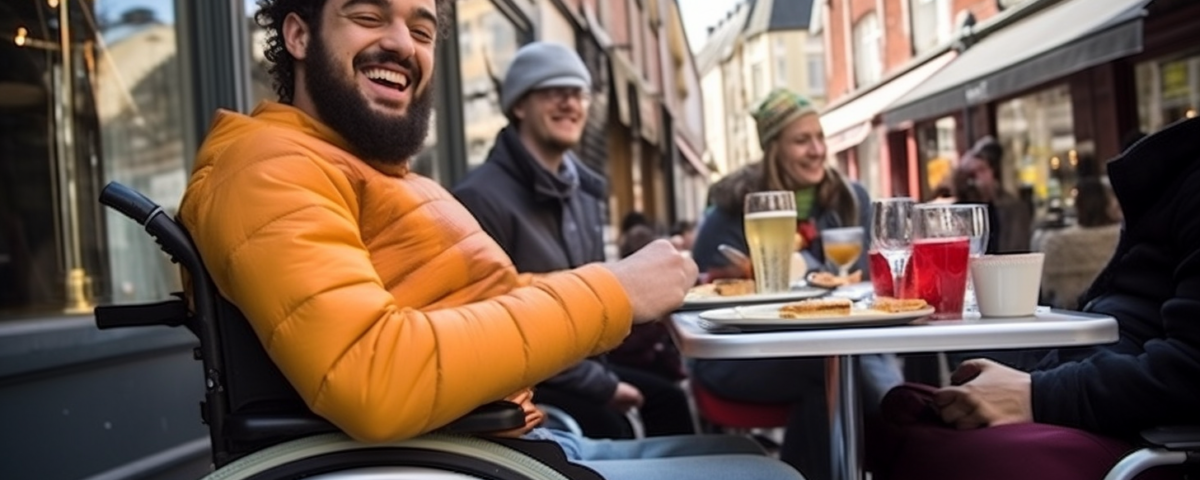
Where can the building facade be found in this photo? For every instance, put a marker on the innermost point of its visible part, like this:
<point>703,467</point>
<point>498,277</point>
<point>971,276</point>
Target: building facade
<point>655,126</point>
<point>95,91</point>
<point>878,52</point>
<point>758,46</point>
<point>1058,83</point>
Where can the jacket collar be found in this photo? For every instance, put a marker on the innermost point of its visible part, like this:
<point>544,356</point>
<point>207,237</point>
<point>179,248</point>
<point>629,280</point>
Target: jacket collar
<point>295,119</point>
<point>511,155</point>
<point>1140,173</point>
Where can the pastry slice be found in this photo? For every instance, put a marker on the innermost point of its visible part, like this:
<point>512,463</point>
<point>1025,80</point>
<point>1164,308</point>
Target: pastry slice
<point>819,307</point>
<point>730,287</point>
<point>899,305</point>
<point>829,280</point>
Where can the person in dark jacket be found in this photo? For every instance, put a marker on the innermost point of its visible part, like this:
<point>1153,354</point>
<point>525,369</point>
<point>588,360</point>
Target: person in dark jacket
<point>1011,218</point>
<point>795,159</point>
<point>543,206</point>
<point>1103,394</point>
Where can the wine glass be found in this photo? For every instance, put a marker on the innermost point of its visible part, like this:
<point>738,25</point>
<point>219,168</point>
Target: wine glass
<point>974,219</point>
<point>770,226</point>
<point>891,234</point>
<point>842,247</point>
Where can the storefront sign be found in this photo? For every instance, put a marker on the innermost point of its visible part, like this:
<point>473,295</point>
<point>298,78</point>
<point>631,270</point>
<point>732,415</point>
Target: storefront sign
<point>977,92</point>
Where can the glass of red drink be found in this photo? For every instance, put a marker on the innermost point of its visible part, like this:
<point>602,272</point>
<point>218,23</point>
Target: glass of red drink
<point>940,253</point>
<point>883,280</point>
<point>881,274</point>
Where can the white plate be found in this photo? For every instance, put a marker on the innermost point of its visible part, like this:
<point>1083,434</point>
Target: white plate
<point>703,302</point>
<point>768,316</point>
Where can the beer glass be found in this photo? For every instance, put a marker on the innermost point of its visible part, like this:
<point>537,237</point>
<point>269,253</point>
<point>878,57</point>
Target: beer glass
<point>843,247</point>
<point>770,225</point>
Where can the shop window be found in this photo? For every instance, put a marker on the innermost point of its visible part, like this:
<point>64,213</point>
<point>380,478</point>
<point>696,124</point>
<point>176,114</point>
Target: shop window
<point>869,159</point>
<point>1168,90</point>
<point>868,51</point>
<point>1037,132</point>
<point>494,40</point>
<point>91,92</point>
<point>938,154</point>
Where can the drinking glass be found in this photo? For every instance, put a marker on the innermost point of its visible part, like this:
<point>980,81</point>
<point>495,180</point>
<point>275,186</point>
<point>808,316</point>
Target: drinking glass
<point>975,218</point>
<point>843,247</point>
<point>770,225</point>
<point>891,236</point>
<point>940,252</point>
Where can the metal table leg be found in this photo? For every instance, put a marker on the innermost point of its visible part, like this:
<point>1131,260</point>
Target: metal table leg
<point>846,440</point>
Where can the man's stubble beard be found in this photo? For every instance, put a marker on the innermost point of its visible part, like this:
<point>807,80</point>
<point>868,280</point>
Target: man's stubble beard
<point>556,144</point>
<point>375,137</point>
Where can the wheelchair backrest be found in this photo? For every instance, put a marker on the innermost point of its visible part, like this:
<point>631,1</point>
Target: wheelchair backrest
<point>246,408</point>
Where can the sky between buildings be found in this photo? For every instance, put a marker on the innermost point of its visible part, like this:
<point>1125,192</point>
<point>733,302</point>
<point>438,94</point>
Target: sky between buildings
<point>698,15</point>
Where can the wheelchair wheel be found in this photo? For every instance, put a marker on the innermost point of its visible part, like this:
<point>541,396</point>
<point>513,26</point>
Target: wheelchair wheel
<point>338,457</point>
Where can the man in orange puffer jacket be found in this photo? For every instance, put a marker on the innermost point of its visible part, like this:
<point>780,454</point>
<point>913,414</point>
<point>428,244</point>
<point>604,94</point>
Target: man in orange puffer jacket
<point>379,297</point>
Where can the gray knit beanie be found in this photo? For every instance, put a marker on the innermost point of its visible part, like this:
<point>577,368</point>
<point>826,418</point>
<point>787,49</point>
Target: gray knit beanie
<point>542,65</point>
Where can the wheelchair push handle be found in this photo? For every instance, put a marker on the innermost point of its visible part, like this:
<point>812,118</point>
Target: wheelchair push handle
<point>129,202</point>
<point>173,239</point>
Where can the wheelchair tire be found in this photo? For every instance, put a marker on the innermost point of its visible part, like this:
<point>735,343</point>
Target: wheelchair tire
<point>337,456</point>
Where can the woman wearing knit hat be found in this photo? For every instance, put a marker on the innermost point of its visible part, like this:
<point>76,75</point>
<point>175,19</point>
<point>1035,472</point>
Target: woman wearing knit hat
<point>794,158</point>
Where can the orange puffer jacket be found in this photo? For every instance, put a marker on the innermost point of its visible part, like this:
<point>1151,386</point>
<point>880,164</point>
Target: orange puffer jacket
<point>378,295</point>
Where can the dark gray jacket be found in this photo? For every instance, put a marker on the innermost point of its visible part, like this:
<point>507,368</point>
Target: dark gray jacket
<point>1151,376</point>
<point>545,223</point>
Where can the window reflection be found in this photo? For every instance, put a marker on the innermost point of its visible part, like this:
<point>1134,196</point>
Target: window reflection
<point>1038,135</point>
<point>487,42</point>
<point>937,153</point>
<point>89,92</point>
<point>1168,90</point>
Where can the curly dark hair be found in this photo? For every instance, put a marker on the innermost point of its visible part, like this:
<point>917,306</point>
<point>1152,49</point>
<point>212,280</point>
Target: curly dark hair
<point>270,16</point>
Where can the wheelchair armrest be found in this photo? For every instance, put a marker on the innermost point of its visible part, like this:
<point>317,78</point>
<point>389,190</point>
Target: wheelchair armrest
<point>1175,438</point>
<point>171,313</point>
<point>493,417</point>
<point>257,427</point>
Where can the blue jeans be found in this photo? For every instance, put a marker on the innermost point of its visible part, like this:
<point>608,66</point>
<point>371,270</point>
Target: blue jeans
<point>682,456</point>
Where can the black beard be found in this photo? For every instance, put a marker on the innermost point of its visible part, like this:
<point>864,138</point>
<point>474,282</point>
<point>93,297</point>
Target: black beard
<point>374,137</point>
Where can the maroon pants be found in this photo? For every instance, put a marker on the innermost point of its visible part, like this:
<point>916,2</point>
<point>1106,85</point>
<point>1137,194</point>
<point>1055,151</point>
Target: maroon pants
<point>912,443</point>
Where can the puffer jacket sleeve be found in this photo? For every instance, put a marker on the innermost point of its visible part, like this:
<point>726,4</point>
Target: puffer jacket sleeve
<point>280,239</point>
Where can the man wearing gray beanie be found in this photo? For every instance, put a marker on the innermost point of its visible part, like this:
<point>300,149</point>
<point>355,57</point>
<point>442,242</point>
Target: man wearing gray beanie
<point>542,65</point>
<point>543,206</point>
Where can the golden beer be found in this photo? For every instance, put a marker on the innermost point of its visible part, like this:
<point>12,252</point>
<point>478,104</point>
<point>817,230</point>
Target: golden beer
<point>843,254</point>
<point>771,237</point>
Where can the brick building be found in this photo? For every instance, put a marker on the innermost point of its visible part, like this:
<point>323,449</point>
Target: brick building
<point>1059,83</point>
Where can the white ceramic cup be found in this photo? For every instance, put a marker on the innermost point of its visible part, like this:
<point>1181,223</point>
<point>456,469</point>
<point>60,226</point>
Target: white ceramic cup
<point>1007,285</point>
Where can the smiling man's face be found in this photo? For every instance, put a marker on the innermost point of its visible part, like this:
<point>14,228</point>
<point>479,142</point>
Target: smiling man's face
<point>366,71</point>
<point>554,116</point>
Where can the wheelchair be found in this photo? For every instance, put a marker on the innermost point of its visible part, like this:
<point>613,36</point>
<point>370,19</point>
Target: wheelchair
<point>260,428</point>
